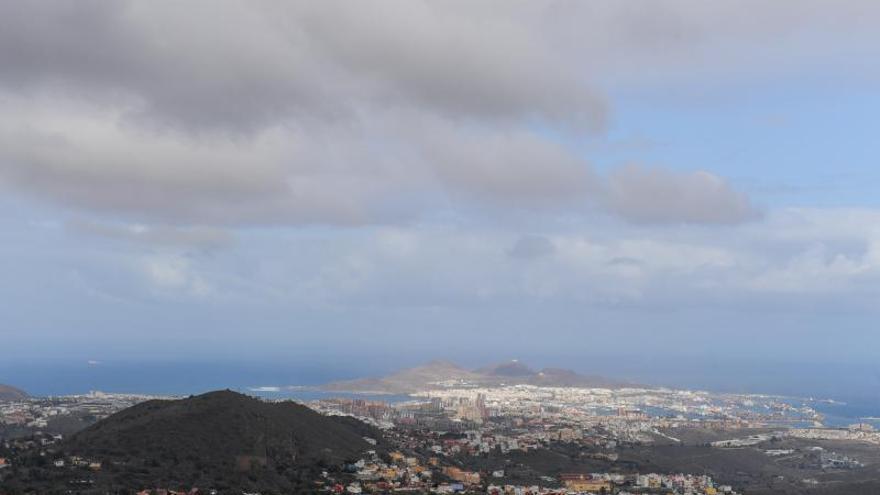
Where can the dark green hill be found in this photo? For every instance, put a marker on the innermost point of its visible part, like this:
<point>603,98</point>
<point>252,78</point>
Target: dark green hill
<point>223,440</point>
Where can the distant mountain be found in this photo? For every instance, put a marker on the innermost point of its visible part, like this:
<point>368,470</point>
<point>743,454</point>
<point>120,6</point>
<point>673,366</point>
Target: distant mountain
<point>512,368</point>
<point>556,377</point>
<point>221,439</point>
<point>438,374</point>
<point>408,380</point>
<point>11,393</point>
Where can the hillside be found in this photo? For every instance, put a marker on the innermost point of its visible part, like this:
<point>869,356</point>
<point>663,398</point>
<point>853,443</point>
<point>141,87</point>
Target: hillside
<point>221,440</point>
<point>11,393</point>
<point>440,373</point>
<point>509,369</point>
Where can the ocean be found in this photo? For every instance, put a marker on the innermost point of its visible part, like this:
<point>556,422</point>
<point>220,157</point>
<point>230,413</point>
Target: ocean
<point>164,378</point>
<point>857,398</point>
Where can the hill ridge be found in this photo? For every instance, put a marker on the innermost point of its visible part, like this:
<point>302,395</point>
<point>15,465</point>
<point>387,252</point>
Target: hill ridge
<point>438,373</point>
<point>221,435</point>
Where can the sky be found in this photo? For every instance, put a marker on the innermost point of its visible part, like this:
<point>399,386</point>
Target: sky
<point>678,191</point>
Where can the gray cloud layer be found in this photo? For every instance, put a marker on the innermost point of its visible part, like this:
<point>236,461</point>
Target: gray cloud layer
<point>644,195</point>
<point>246,65</point>
<point>531,247</point>
<point>298,112</point>
<point>202,238</point>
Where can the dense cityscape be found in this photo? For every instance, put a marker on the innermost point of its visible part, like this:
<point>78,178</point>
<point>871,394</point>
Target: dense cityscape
<point>457,437</point>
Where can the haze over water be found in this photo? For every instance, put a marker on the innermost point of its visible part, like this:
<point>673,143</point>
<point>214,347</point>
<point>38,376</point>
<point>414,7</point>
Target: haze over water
<point>805,380</point>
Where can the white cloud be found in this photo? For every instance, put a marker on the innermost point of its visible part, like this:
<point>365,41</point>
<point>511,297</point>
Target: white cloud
<point>175,275</point>
<point>455,267</point>
<point>816,270</point>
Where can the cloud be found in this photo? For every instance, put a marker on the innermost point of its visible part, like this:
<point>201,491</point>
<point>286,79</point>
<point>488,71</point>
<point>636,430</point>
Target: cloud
<point>624,261</point>
<point>820,269</point>
<point>242,113</point>
<point>174,274</point>
<point>397,168</point>
<point>658,196</point>
<point>198,237</point>
<point>244,66</point>
<point>284,113</point>
<point>513,167</point>
<point>456,268</point>
<point>531,247</point>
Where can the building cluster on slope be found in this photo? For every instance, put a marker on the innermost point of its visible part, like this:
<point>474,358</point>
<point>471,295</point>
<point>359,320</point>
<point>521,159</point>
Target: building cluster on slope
<point>525,417</point>
<point>406,475</point>
<point>35,414</point>
<point>857,433</point>
<point>452,424</point>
